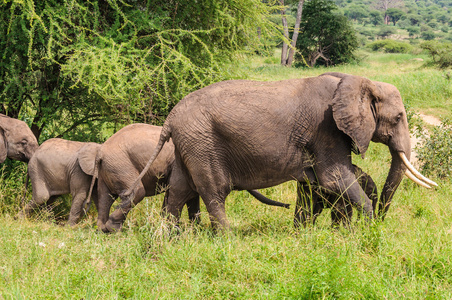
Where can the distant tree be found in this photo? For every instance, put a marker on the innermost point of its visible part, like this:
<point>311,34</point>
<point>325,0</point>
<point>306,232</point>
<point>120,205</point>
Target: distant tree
<point>356,12</point>
<point>395,14</point>
<point>386,31</point>
<point>413,30</point>
<point>384,5</point>
<point>428,35</point>
<point>414,19</point>
<point>376,17</point>
<point>326,37</point>
<point>443,17</point>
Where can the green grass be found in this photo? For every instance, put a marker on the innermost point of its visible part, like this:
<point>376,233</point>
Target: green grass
<point>263,257</point>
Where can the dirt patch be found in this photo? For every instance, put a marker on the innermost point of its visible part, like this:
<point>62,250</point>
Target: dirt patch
<point>431,120</point>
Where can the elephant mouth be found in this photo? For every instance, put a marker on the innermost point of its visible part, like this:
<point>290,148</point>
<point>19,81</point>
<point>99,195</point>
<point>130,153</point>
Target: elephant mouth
<point>414,174</point>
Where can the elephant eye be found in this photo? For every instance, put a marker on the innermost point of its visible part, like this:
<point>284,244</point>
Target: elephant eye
<point>399,117</point>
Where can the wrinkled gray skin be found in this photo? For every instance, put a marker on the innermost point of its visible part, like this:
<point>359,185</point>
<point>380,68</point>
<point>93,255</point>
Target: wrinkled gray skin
<point>119,162</point>
<point>16,140</point>
<point>61,167</point>
<point>309,208</point>
<point>250,135</point>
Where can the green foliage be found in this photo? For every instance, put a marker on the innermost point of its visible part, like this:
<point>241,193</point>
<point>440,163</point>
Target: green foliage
<point>386,31</point>
<point>390,46</point>
<point>441,53</point>
<point>435,152</point>
<point>326,38</point>
<point>395,14</point>
<point>72,65</point>
<point>376,17</point>
<point>428,35</point>
<point>413,30</point>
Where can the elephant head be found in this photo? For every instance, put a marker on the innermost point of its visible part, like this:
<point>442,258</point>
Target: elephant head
<point>367,111</point>
<point>16,140</point>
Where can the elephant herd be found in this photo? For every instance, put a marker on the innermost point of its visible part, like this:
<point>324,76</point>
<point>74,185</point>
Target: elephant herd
<point>231,135</point>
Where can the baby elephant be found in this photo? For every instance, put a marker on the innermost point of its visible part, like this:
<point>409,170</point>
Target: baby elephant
<point>61,167</point>
<point>119,162</point>
<point>319,199</point>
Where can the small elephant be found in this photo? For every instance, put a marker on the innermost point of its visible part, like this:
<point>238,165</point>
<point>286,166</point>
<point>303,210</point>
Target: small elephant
<point>308,208</point>
<point>16,140</point>
<point>249,135</point>
<point>120,160</point>
<point>61,167</point>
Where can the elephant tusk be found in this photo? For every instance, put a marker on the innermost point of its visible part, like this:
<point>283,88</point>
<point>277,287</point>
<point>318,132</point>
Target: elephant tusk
<point>414,171</point>
<point>414,178</point>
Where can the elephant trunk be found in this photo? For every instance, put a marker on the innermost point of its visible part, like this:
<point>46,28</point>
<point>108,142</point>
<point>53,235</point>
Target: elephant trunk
<point>400,166</point>
<point>393,180</point>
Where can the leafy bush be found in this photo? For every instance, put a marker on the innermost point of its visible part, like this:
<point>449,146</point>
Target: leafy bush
<point>390,46</point>
<point>441,53</point>
<point>428,35</point>
<point>386,31</point>
<point>413,30</point>
<point>435,154</point>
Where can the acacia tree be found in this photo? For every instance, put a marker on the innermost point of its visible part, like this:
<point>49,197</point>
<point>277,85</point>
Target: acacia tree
<point>287,55</point>
<point>69,66</point>
<point>326,37</point>
<point>395,14</point>
<point>384,5</point>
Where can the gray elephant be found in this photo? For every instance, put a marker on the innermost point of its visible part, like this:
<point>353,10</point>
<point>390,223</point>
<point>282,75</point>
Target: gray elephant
<point>249,135</point>
<point>119,162</point>
<point>312,200</point>
<point>16,140</point>
<point>61,167</point>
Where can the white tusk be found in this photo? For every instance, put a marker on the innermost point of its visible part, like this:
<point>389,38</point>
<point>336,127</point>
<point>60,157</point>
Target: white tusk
<point>414,171</point>
<point>414,178</point>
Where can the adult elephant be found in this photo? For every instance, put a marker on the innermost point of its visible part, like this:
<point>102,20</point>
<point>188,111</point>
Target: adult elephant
<point>119,162</point>
<point>313,199</point>
<point>61,167</point>
<point>16,140</point>
<point>248,135</point>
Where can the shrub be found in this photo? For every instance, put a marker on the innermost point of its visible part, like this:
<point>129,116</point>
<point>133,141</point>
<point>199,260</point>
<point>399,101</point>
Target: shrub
<point>390,46</point>
<point>435,153</point>
<point>428,35</point>
<point>413,30</point>
<point>386,31</point>
<point>441,53</point>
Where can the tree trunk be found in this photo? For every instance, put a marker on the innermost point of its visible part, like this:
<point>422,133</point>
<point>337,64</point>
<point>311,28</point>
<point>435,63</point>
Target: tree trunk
<point>287,58</point>
<point>286,35</point>
<point>295,33</point>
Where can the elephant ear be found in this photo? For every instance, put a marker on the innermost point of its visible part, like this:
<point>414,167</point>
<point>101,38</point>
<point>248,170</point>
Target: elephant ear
<point>3,146</point>
<point>354,110</point>
<point>87,157</point>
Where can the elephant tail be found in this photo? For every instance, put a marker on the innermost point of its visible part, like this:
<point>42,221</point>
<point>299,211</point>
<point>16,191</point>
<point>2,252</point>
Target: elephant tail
<point>266,200</point>
<point>87,204</point>
<point>164,137</point>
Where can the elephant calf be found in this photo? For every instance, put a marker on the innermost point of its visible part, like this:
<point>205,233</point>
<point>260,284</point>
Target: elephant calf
<point>119,162</point>
<point>61,167</point>
<point>16,140</point>
<point>309,209</point>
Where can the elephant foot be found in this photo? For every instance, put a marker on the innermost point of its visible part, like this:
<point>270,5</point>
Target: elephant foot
<point>112,226</point>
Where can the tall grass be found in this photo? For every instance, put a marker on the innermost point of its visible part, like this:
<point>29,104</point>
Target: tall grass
<point>264,256</point>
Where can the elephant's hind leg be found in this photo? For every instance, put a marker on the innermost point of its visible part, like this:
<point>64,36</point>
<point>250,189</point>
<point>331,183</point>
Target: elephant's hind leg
<point>117,218</point>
